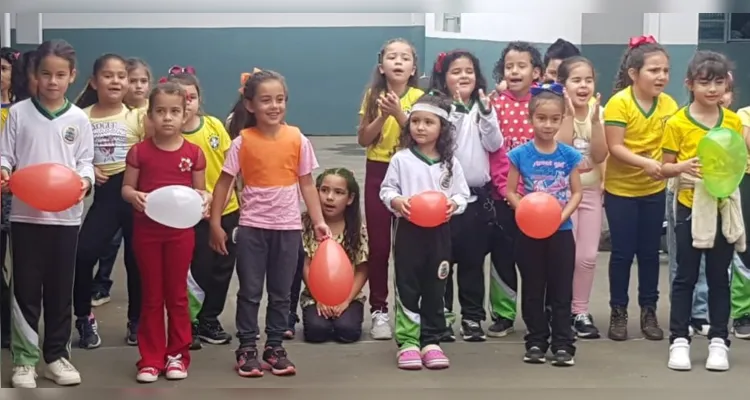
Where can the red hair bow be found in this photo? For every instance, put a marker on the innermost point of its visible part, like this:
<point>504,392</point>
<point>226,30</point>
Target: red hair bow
<point>176,69</point>
<point>641,40</point>
<point>439,62</point>
<point>163,79</point>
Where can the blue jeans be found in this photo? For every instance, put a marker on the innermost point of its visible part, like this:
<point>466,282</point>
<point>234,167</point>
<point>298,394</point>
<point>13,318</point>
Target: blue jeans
<point>635,225</point>
<point>700,294</point>
<point>102,280</point>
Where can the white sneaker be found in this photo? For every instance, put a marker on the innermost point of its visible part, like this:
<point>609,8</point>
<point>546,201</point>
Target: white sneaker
<point>63,373</point>
<point>679,355</point>
<point>381,329</point>
<point>175,369</point>
<point>24,377</point>
<point>718,355</point>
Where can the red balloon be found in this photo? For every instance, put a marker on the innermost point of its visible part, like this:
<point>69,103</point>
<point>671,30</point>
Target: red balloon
<point>428,209</point>
<point>47,187</point>
<point>538,215</point>
<point>331,275</point>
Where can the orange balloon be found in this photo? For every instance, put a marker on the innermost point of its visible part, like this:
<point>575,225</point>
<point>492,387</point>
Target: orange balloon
<point>47,187</point>
<point>538,215</point>
<point>331,275</point>
<point>428,209</point>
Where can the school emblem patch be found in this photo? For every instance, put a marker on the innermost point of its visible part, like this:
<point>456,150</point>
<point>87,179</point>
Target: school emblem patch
<point>443,270</point>
<point>69,134</point>
<point>213,141</point>
<point>446,181</point>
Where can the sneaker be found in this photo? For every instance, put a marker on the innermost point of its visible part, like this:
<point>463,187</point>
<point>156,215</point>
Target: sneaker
<point>618,324</point>
<point>147,375</point>
<point>213,333</point>
<point>247,363</point>
<point>583,325</point>
<point>718,355</point>
<point>699,326</point>
<point>409,358</point>
<point>131,335</point>
<point>381,329</point>
<point>448,335</point>
<point>679,355</point>
<point>24,377</point>
<point>88,333</point>
<point>175,369</point>
<point>741,327</point>
<point>195,342</point>
<point>501,328</point>
<point>471,331</point>
<point>99,299</point>
<point>275,360</point>
<point>562,358</point>
<point>63,373</point>
<point>292,330</point>
<point>535,355</point>
<point>434,358</point>
<point>650,325</point>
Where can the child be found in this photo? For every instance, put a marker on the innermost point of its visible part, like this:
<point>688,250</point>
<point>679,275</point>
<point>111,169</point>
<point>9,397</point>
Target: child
<point>741,264</point>
<point>582,128</point>
<point>425,162</point>
<point>116,128</point>
<point>23,77</point>
<point>209,270</point>
<point>547,265</point>
<point>634,198</point>
<point>556,53</point>
<point>521,66</point>
<point>476,135</point>
<point>163,253</point>
<point>46,128</point>
<point>339,196</point>
<point>390,94</point>
<point>275,162</point>
<point>139,76</point>
<point>707,78</point>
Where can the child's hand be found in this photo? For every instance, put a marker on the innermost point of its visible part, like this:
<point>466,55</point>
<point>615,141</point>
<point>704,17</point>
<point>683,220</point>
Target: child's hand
<point>570,109</point>
<point>452,206</point>
<point>339,309</point>
<point>5,181</point>
<point>484,99</point>
<point>389,103</point>
<point>653,169</point>
<point>100,177</point>
<point>322,231</point>
<point>218,240</point>
<point>85,186</point>
<point>401,205</point>
<point>691,167</point>
<point>457,97</point>
<point>596,116</point>
<point>501,86</point>
<point>207,199</point>
<point>138,200</point>
<point>324,311</point>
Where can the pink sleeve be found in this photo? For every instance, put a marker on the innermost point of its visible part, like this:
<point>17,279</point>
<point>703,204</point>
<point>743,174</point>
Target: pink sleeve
<point>499,166</point>
<point>232,160</point>
<point>307,160</point>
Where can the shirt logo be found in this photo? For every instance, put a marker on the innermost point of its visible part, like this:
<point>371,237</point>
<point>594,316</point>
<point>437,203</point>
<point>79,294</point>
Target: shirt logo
<point>186,164</point>
<point>446,180</point>
<point>443,270</point>
<point>69,134</point>
<point>213,141</point>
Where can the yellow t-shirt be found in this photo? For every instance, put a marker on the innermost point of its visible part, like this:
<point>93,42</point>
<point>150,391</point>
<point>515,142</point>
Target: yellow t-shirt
<point>4,114</point>
<point>744,114</point>
<point>682,133</point>
<point>382,150</point>
<point>214,140</point>
<point>114,136</point>
<point>643,136</point>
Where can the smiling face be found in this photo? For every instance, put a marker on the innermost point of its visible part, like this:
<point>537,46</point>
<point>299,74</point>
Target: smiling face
<point>709,92</point>
<point>111,81</point>
<point>580,84</point>
<point>269,103</point>
<point>461,78</point>
<point>397,63</point>
<point>520,72</point>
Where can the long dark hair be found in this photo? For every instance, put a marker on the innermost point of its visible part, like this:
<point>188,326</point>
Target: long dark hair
<point>241,117</point>
<point>88,97</point>
<point>378,83</point>
<point>12,57</point>
<point>445,145</point>
<point>709,65</point>
<point>635,58</point>
<point>442,65</point>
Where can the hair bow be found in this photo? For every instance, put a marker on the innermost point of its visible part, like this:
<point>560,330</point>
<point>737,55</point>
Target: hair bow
<point>245,76</point>
<point>555,88</point>
<point>637,41</point>
<point>439,62</point>
<point>16,55</point>
<point>176,69</point>
<point>163,79</point>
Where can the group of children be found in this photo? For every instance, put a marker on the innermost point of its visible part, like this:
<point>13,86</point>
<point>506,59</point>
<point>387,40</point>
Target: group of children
<point>541,128</point>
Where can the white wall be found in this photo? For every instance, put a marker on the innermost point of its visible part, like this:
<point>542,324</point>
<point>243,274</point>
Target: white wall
<point>544,26</point>
<point>610,28</point>
<point>677,28</point>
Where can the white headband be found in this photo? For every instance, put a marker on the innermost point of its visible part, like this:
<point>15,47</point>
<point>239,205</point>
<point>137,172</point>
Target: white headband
<point>430,109</point>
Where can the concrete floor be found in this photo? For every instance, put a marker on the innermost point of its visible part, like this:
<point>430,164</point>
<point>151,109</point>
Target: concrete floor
<point>616,370</point>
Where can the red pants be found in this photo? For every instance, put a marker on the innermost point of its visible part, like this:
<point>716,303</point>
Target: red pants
<point>379,232</point>
<point>163,257</point>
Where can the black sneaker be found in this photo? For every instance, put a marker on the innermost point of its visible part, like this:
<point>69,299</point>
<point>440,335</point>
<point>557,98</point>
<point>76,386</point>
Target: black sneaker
<point>195,343</point>
<point>741,327</point>
<point>248,365</point>
<point>618,324</point>
<point>583,325</point>
<point>131,337</point>
<point>501,328</point>
<point>471,331</point>
<point>562,358</point>
<point>699,326</point>
<point>534,355</point>
<point>99,299</point>
<point>448,335</point>
<point>213,333</point>
<point>275,360</point>
<point>88,333</point>
<point>292,330</point>
<point>650,325</point>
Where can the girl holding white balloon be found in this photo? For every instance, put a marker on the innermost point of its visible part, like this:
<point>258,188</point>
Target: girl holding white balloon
<point>161,173</point>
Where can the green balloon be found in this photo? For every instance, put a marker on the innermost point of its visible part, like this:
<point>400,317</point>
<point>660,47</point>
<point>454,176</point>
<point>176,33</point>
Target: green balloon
<point>723,157</point>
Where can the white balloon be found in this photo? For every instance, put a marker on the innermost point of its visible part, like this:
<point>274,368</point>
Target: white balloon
<point>175,206</point>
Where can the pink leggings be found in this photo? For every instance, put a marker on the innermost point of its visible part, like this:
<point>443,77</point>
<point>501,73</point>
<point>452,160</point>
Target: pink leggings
<point>587,224</point>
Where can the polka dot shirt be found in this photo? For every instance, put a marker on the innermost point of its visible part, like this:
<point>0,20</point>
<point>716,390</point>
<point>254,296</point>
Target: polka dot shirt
<point>513,118</point>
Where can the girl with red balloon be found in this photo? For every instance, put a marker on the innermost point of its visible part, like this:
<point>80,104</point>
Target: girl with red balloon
<point>424,186</point>
<point>546,248</point>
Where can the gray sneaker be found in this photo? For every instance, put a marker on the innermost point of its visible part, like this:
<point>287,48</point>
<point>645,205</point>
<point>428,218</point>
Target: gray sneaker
<point>381,329</point>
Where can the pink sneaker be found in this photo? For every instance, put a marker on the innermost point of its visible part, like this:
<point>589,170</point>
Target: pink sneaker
<point>409,359</point>
<point>434,358</point>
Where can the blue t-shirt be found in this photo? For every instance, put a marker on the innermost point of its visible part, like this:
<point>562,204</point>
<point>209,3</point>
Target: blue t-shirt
<point>549,173</point>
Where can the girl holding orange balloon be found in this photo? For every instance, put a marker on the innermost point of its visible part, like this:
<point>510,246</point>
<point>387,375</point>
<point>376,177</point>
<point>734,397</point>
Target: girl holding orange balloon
<point>546,248</point>
<point>339,196</point>
<point>424,187</point>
